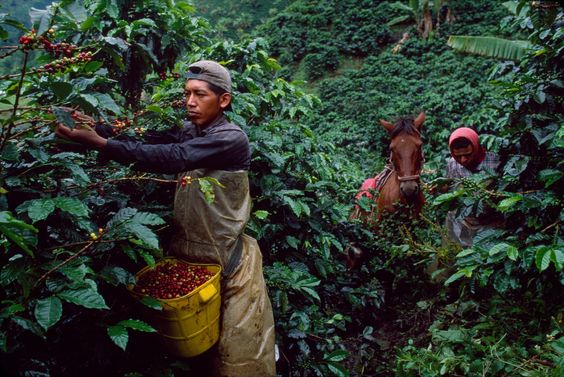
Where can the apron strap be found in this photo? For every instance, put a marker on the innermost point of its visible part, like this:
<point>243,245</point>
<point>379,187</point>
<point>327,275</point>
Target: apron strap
<point>235,258</point>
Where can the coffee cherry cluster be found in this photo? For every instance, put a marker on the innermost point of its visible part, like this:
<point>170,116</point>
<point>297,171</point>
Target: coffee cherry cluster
<point>66,52</point>
<point>163,75</point>
<point>172,280</point>
<point>29,40</point>
<point>179,103</point>
<point>94,236</point>
<point>120,125</point>
<point>186,180</point>
<point>58,49</point>
<point>61,64</point>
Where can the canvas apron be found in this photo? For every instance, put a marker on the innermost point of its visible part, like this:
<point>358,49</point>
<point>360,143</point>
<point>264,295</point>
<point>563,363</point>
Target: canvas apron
<point>213,233</point>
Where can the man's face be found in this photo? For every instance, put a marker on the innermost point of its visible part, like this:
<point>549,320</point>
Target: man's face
<point>464,156</point>
<point>202,103</point>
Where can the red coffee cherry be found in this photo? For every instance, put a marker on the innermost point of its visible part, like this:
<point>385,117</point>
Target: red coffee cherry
<point>172,280</point>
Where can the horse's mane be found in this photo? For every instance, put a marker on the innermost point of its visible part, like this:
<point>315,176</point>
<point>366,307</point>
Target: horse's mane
<point>403,125</point>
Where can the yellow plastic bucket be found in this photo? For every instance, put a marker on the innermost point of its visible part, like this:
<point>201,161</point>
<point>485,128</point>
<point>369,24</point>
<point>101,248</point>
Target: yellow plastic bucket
<point>188,325</point>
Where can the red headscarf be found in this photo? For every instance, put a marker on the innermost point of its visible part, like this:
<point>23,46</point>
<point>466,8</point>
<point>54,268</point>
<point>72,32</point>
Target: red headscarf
<point>472,136</point>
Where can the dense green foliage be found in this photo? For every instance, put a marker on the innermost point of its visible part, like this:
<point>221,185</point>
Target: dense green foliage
<point>74,229</point>
<point>235,20</point>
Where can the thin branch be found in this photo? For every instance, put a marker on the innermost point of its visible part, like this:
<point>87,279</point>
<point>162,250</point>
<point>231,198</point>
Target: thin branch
<point>80,252</point>
<point>39,126</point>
<point>16,103</point>
<point>551,226</point>
<point>12,50</point>
<point>73,244</point>
<point>22,108</point>
<point>124,179</point>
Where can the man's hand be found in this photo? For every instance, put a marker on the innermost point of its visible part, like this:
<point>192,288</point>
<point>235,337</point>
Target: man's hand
<point>83,135</point>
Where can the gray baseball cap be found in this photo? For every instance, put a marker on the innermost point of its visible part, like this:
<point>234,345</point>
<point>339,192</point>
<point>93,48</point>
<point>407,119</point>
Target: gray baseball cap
<point>212,72</point>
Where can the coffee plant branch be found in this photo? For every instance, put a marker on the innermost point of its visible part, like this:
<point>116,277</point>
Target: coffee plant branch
<point>80,252</point>
<point>34,128</point>
<point>13,49</point>
<point>16,103</point>
<point>24,108</point>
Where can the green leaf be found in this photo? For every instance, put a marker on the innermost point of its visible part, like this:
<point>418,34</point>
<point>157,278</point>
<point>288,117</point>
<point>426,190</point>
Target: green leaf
<point>500,247</point>
<point>61,89</point>
<point>151,302</point>
<point>465,252</point>
<point>88,298</point>
<point>87,24</point>
<point>336,356</point>
<point>107,103</point>
<point>261,214</point>
<point>147,257</point>
<point>92,66</point>
<point>542,258</point>
<point>550,176</point>
<point>118,335</point>
<point>557,257</point>
<point>10,152</point>
<point>451,335</point>
<point>506,204</point>
<point>399,20</point>
<point>75,11</point>
<point>29,325</point>
<point>136,324</point>
<point>207,188</point>
<point>18,232</point>
<point>117,275</point>
<point>11,310</point>
<point>121,216</point>
<point>292,241</point>
<point>145,234</point>
<point>72,206</point>
<point>457,275</point>
<point>310,292</point>
<point>295,206</point>
<point>48,311</point>
<point>447,197</point>
<point>118,42</point>
<point>40,209</point>
<point>147,218</point>
<point>76,274</point>
<point>512,253</point>
<point>338,369</point>
<point>63,116</point>
<point>493,47</point>
<point>41,18</point>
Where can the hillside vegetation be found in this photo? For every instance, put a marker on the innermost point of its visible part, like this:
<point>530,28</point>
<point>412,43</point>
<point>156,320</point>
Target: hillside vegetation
<point>312,80</point>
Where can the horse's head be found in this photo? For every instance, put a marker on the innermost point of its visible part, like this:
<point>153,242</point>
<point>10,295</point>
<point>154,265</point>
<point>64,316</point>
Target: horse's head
<point>406,153</point>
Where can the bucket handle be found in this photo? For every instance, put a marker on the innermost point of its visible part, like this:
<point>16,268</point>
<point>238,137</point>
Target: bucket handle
<point>207,293</point>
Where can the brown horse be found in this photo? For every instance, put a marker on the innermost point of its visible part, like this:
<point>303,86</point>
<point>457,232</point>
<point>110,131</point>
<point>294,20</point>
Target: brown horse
<point>398,187</point>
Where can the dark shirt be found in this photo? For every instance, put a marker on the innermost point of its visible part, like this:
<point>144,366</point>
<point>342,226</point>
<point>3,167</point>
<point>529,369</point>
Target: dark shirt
<point>220,146</point>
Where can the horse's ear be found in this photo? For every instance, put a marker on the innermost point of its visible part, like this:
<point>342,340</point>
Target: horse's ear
<point>387,125</point>
<point>419,121</point>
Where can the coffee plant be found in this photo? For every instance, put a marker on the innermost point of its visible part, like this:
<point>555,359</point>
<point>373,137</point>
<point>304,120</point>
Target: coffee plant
<point>75,228</point>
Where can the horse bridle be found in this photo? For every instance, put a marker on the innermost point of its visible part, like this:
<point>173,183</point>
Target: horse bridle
<point>408,177</point>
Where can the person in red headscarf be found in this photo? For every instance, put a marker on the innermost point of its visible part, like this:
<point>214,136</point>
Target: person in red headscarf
<point>469,157</point>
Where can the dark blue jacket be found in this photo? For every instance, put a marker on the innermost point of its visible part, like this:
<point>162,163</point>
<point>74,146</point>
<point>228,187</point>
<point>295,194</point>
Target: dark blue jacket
<point>220,146</point>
